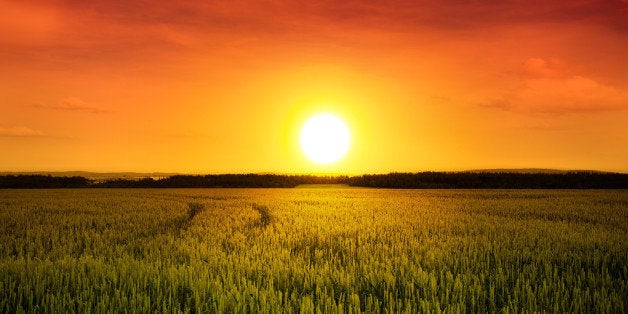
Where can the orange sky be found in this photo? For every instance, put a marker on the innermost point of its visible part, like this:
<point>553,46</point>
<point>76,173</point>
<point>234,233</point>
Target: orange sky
<point>196,87</point>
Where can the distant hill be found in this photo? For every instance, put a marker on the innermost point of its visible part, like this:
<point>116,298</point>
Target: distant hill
<point>530,170</point>
<point>96,175</point>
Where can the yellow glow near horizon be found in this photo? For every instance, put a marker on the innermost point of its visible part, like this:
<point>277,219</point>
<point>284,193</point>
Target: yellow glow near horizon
<point>325,138</point>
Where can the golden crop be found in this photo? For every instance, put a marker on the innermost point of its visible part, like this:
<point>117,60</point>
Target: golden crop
<point>313,250</point>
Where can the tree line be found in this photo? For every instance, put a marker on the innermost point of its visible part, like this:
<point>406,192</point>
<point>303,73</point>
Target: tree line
<point>493,180</point>
<point>176,181</point>
<point>421,180</point>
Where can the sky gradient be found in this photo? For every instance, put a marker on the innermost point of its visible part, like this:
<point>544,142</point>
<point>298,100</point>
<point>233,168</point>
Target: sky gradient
<point>224,86</point>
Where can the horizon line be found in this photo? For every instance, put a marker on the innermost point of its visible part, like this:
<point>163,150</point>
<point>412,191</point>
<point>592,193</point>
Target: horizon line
<point>168,173</point>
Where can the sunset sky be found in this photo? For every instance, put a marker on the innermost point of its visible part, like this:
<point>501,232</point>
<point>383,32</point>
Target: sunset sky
<point>225,86</point>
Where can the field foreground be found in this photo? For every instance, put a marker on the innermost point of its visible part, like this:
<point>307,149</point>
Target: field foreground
<point>313,250</point>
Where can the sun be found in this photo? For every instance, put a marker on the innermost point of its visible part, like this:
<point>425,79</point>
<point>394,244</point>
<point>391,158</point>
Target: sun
<point>325,138</point>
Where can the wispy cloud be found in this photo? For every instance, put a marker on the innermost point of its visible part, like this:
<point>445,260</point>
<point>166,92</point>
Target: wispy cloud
<point>72,104</point>
<point>544,68</point>
<point>549,87</point>
<point>189,135</point>
<point>19,131</point>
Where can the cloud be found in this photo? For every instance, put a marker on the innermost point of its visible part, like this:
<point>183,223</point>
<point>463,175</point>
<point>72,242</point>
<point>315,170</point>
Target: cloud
<point>571,94</point>
<point>408,15</point>
<point>188,135</point>
<point>72,104</point>
<point>575,94</point>
<point>544,68</point>
<point>116,23</point>
<point>497,103</point>
<point>19,131</point>
<point>547,86</point>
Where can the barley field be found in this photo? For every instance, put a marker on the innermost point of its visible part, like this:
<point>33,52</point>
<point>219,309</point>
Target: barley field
<point>313,250</point>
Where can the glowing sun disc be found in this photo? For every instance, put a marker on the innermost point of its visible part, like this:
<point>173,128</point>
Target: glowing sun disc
<point>325,138</point>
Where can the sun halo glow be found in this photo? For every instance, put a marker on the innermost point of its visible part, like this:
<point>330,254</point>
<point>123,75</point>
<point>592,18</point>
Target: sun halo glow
<point>325,138</point>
